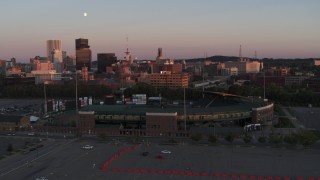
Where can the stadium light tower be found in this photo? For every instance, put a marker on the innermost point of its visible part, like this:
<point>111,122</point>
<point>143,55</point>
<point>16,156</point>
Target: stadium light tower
<point>45,97</point>
<point>184,108</point>
<point>76,92</point>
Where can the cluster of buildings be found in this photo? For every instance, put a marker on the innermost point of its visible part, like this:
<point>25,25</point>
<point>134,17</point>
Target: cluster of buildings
<point>57,67</point>
<point>172,120</point>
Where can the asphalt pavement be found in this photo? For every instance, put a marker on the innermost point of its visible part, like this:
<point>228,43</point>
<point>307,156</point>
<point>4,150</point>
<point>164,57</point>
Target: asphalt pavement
<point>66,159</point>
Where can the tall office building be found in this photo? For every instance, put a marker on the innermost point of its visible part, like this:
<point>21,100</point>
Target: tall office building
<point>83,54</point>
<point>54,53</point>
<point>160,56</point>
<point>105,60</point>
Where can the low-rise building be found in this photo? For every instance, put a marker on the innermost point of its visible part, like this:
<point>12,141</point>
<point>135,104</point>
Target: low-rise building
<point>13,122</point>
<point>169,80</point>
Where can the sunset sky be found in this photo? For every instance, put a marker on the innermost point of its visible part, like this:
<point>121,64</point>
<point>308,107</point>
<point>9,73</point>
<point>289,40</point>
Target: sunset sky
<point>183,28</point>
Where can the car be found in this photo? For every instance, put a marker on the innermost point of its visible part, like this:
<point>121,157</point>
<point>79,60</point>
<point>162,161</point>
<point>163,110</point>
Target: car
<point>31,134</point>
<point>87,147</point>
<point>39,146</point>
<point>41,178</point>
<point>145,153</point>
<point>11,134</point>
<point>32,149</point>
<point>166,152</point>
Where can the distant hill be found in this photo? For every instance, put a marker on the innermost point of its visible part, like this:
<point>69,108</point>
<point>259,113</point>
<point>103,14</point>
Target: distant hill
<point>214,58</point>
<point>266,61</point>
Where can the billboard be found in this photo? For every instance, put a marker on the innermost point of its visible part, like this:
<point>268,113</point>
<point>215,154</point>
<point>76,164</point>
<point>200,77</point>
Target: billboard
<point>139,99</point>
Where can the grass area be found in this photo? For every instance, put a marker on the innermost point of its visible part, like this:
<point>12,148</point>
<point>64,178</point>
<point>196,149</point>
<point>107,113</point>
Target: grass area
<point>316,133</point>
<point>291,112</point>
<point>284,123</point>
<point>279,110</point>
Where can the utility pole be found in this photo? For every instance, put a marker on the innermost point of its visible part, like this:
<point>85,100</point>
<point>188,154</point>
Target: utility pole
<point>184,109</point>
<point>76,92</point>
<point>45,97</point>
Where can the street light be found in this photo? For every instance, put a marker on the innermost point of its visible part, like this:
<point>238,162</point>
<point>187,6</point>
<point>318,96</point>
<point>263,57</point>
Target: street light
<point>76,91</point>
<point>45,97</point>
<point>184,109</point>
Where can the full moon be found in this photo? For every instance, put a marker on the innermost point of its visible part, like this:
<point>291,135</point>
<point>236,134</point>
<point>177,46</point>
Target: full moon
<point>85,14</point>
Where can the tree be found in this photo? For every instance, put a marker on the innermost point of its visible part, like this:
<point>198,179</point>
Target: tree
<point>229,137</point>
<point>10,148</point>
<point>275,139</point>
<point>213,139</point>
<point>307,138</point>
<point>196,137</point>
<point>102,136</point>
<point>292,139</point>
<point>262,139</point>
<point>247,138</point>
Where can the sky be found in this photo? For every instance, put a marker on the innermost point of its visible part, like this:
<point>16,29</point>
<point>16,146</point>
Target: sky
<point>183,28</point>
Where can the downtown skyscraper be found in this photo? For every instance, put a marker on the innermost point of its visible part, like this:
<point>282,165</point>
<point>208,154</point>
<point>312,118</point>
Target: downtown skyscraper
<point>83,54</point>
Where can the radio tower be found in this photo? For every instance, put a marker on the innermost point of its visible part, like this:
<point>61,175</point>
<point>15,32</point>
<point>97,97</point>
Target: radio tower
<point>255,55</point>
<point>127,53</point>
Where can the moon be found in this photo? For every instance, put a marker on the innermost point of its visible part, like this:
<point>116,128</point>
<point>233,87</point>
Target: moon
<point>85,14</point>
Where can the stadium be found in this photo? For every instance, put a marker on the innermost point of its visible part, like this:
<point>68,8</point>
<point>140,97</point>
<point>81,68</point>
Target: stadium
<point>218,113</point>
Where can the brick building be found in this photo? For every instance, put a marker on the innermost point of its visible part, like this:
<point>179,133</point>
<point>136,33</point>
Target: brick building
<point>169,80</point>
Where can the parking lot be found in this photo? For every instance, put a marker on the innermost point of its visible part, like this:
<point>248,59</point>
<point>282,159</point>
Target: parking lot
<point>308,116</point>
<point>17,143</point>
<point>67,159</point>
<point>21,106</point>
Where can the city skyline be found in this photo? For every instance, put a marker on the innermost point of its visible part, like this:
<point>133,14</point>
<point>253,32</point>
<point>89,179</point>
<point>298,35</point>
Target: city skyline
<point>286,29</point>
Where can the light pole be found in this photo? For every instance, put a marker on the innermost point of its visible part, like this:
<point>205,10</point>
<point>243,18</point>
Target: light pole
<point>184,109</point>
<point>264,85</point>
<point>45,97</point>
<point>76,92</point>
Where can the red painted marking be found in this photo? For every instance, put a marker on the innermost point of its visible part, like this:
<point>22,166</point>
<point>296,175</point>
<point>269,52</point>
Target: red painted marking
<point>252,177</point>
<point>234,176</point>
<point>286,178</point>
<point>269,177</point>
<point>189,173</point>
<point>175,172</point>
<point>243,176</point>
<point>224,175</point>
<point>278,178</point>
<point>151,171</point>
<point>196,173</point>
<point>182,173</point>
<point>216,174</point>
<point>299,178</point>
<point>311,178</point>
<point>104,169</point>
<point>204,174</point>
<point>168,172</point>
<point>260,177</point>
<point>160,172</point>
